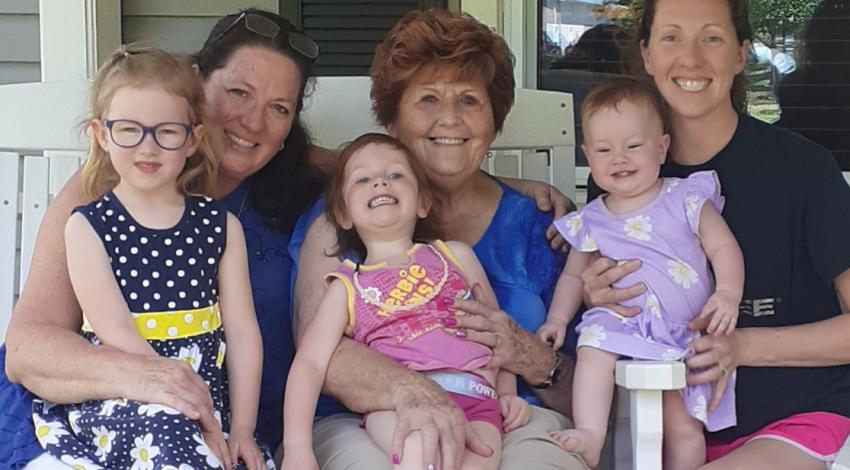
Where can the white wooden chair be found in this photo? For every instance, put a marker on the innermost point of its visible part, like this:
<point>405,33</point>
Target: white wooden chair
<point>41,145</point>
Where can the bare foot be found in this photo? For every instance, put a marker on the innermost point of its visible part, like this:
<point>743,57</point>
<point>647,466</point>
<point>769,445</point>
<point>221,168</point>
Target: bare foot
<point>583,442</point>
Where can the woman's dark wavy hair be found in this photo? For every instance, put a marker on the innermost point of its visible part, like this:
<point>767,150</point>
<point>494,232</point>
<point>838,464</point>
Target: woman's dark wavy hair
<point>644,13</point>
<point>288,184</point>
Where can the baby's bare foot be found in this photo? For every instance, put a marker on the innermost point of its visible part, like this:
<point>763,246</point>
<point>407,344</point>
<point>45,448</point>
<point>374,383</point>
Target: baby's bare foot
<point>583,442</point>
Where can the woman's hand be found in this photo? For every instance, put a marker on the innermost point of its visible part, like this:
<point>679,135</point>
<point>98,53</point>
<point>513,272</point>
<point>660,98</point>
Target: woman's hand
<point>514,349</point>
<point>715,359</point>
<point>515,411</point>
<point>172,383</point>
<point>440,423</point>
<point>596,282</point>
<point>242,446</point>
<point>217,445</point>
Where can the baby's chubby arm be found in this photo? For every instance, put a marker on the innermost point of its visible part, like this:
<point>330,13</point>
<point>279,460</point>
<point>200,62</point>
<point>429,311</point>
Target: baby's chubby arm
<point>726,259</point>
<point>308,374</point>
<point>566,299</point>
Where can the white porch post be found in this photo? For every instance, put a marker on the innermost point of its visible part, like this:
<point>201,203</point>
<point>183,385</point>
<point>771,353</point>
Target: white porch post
<point>76,35</point>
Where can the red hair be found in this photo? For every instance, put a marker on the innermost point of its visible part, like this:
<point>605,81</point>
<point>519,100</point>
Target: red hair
<point>453,46</point>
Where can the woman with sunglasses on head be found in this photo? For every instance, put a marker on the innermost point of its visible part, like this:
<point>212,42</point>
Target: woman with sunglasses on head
<point>255,68</point>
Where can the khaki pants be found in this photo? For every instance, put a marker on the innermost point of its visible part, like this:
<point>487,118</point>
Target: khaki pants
<point>341,444</point>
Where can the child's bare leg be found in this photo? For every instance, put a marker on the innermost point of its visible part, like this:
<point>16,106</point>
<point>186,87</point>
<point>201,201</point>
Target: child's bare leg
<point>593,389</point>
<point>380,426</point>
<point>684,442</point>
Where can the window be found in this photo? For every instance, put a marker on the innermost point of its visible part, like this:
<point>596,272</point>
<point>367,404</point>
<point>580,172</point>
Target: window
<point>798,75</point>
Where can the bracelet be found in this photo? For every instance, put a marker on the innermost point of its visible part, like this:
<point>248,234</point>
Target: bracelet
<point>554,375</point>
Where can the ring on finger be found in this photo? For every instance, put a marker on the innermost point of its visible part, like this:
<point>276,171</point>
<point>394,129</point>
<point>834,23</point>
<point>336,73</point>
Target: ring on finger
<point>723,371</point>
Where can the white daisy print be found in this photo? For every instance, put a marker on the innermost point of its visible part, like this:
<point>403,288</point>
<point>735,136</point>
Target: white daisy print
<point>672,355</point>
<point>109,406</point>
<point>219,359</point>
<point>102,441</point>
<point>191,355</point>
<point>673,184</point>
<point>592,335</point>
<point>639,227</point>
<point>144,453</point>
<point>691,206</point>
<point>80,463</point>
<point>217,416</point>
<point>682,273</point>
<point>574,225</point>
<point>700,410</point>
<point>48,432</point>
<point>589,244</point>
<point>73,417</point>
<point>653,306</point>
<point>204,450</point>
<point>152,409</point>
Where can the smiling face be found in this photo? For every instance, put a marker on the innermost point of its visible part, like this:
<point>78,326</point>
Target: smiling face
<point>147,167</point>
<point>625,147</point>
<point>448,125</point>
<point>380,191</point>
<point>252,101</point>
<point>693,55</point>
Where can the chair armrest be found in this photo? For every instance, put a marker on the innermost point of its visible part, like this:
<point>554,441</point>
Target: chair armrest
<point>650,375</point>
<point>842,460</point>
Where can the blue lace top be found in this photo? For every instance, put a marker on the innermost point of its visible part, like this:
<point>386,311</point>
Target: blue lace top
<point>515,254</point>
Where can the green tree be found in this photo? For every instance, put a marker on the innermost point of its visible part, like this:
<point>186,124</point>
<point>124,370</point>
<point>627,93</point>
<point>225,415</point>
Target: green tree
<point>778,17</point>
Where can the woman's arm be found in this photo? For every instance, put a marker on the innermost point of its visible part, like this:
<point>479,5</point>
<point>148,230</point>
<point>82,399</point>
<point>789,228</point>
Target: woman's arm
<point>368,381</point>
<point>517,350</point>
<point>46,354</point>
<point>97,292</point>
<point>244,353</point>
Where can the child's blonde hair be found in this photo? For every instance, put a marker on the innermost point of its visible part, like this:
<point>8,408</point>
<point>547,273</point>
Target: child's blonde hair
<point>610,93</point>
<point>135,66</point>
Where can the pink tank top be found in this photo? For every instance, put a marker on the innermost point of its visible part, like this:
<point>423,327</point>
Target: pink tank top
<point>416,337</point>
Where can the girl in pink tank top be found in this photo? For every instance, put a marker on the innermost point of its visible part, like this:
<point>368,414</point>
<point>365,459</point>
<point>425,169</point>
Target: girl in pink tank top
<point>398,301</point>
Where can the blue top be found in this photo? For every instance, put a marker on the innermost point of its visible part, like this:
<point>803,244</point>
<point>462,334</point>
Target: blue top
<point>515,254</point>
<point>270,268</point>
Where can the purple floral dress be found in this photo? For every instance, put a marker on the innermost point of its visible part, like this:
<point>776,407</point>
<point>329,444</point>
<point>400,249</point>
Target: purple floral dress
<point>664,235</point>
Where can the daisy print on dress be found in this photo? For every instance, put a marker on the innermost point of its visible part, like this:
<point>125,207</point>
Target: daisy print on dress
<point>653,306</point>
<point>48,433</point>
<point>191,355</point>
<point>691,205</point>
<point>682,273</point>
<point>589,244</point>
<point>639,227</point>
<point>103,442</point>
<point>700,410</point>
<point>205,451</point>
<point>574,224</point>
<point>81,463</point>
<point>144,453</point>
<point>593,335</point>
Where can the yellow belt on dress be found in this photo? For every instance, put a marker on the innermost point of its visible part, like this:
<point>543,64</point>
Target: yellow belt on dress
<point>174,324</point>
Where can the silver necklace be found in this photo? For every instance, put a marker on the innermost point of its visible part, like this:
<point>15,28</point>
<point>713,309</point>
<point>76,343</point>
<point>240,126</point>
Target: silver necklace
<point>372,295</point>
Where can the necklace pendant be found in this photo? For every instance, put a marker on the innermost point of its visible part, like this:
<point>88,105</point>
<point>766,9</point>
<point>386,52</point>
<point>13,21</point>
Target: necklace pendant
<point>371,295</point>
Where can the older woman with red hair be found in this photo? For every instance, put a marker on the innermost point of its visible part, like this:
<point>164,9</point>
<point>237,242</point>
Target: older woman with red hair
<point>442,83</point>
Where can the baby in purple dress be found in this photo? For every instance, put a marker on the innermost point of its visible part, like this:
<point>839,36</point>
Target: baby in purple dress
<point>674,228</point>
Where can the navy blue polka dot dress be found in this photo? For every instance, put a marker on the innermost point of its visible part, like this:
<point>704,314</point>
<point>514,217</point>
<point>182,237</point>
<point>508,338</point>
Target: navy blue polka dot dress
<point>169,281</point>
